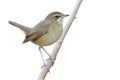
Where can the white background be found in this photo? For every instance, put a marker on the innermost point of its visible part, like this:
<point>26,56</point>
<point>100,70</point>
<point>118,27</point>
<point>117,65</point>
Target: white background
<point>91,49</point>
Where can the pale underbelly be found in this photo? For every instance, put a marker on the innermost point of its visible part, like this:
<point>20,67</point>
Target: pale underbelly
<point>49,38</point>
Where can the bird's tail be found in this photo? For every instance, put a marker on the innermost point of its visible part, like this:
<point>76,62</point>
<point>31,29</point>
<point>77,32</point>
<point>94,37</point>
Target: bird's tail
<point>25,29</point>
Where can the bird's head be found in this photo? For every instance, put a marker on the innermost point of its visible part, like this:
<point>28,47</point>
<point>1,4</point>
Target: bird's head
<point>56,16</point>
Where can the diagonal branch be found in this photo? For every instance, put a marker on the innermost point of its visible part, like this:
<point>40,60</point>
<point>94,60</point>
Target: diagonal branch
<point>45,70</point>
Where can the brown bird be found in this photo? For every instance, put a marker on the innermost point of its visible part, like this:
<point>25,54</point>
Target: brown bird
<point>46,32</point>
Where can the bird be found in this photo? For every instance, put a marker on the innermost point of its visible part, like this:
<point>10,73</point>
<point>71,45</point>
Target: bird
<point>45,33</point>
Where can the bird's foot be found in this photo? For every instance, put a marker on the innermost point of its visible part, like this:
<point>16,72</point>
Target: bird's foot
<point>51,59</point>
<point>45,65</point>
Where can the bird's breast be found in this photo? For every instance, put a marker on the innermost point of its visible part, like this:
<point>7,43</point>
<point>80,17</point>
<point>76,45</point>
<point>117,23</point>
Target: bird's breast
<point>53,34</point>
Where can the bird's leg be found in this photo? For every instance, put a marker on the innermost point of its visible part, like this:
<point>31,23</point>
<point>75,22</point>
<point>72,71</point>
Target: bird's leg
<point>44,64</point>
<point>49,55</point>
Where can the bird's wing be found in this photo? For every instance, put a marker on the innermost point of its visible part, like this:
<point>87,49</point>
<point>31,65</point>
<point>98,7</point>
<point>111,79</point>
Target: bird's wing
<point>39,30</point>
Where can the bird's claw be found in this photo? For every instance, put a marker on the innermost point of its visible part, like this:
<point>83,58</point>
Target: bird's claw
<point>52,60</point>
<point>44,65</point>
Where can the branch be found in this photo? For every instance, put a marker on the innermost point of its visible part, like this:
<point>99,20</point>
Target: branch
<point>45,70</point>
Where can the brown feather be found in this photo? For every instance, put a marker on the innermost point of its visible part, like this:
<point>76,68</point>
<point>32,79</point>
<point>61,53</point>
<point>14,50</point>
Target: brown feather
<point>39,30</point>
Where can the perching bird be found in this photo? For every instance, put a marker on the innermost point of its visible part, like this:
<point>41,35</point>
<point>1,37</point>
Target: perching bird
<point>46,32</point>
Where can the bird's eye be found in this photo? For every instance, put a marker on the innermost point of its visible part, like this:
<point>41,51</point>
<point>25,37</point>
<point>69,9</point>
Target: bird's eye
<point>57,16</point>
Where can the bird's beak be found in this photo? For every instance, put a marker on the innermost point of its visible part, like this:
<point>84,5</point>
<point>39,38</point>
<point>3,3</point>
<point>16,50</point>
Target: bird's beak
<point>66,15</point>
<point>62,17</point>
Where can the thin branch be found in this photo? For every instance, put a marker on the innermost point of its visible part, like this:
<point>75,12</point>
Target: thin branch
<point>45,70</point>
